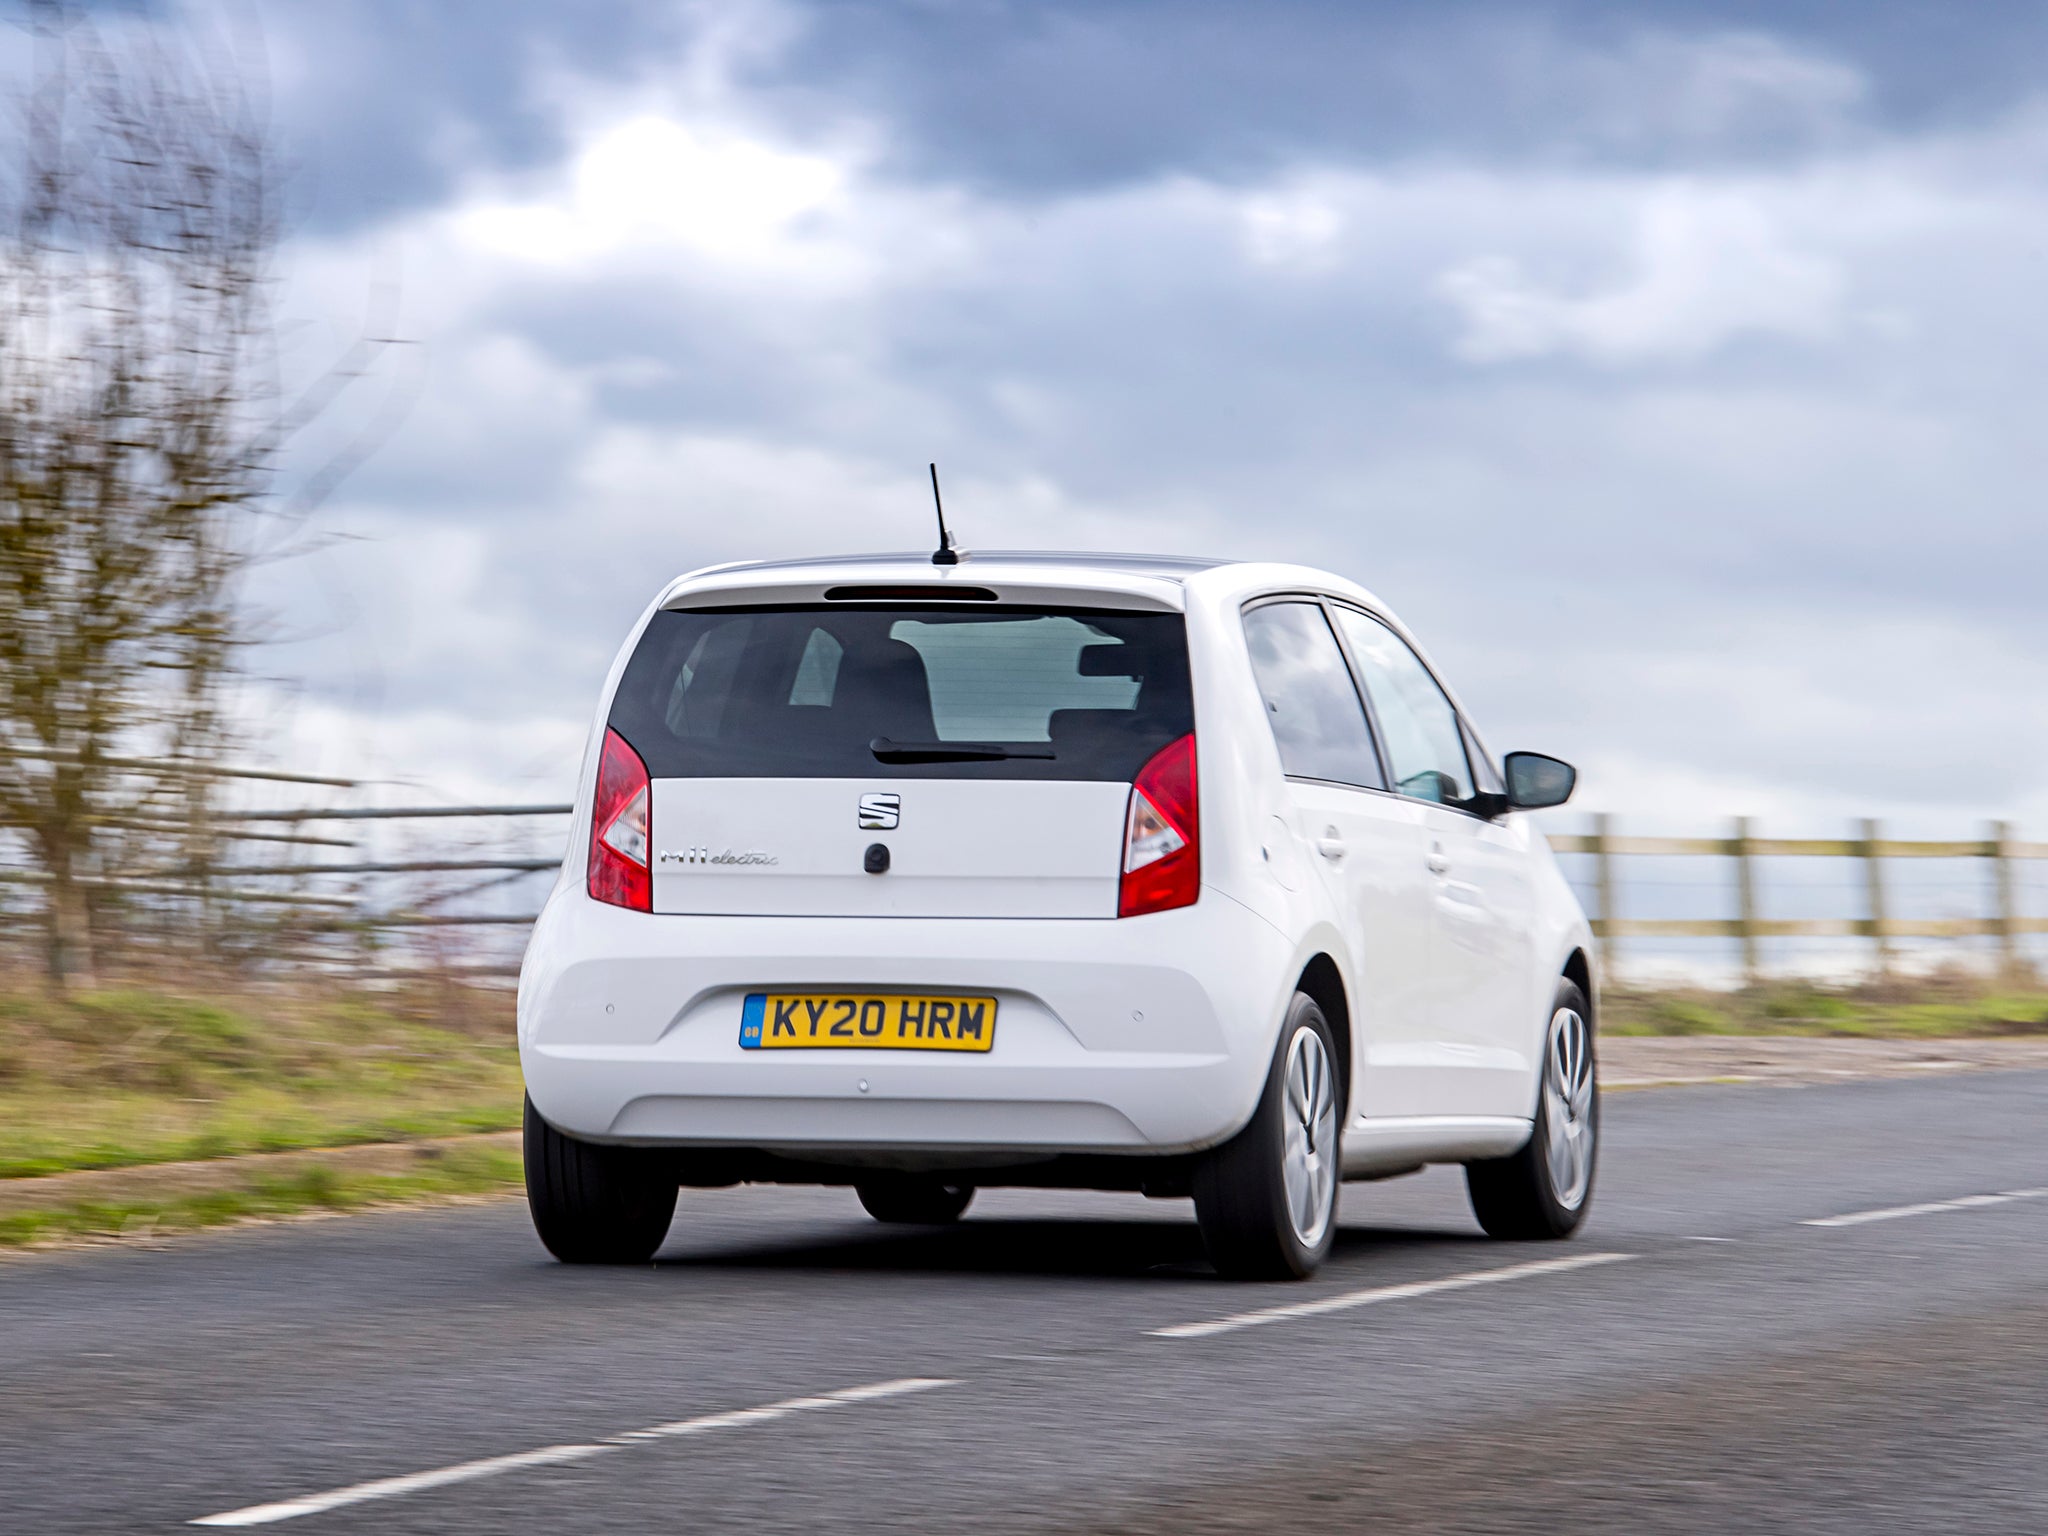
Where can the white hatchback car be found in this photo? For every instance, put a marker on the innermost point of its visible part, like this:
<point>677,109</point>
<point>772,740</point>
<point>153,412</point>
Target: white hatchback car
<point>1071,871</point>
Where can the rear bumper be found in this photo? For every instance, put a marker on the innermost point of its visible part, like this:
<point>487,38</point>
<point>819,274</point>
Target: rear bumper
<point>1141,1035</point>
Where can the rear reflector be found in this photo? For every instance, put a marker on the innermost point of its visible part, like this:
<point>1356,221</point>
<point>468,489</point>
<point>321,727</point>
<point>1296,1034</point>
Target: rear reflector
<point>1162,867</point>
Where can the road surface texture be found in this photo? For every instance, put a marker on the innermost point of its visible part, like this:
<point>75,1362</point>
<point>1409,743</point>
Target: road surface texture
<point>1717,1350</point>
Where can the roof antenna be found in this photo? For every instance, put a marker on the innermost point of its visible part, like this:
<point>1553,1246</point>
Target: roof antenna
<point>945,553</point>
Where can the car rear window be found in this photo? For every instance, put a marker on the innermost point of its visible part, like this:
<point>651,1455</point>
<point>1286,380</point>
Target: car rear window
<point>810,692</point>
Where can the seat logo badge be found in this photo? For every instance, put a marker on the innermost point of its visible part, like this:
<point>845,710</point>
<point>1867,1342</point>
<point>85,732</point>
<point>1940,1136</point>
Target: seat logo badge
<point>880,813</point>
<point>704,855</point>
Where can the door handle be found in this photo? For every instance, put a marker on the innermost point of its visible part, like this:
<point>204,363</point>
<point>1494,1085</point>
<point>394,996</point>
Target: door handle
<point>1330,845</point>
<point>1438,863</point>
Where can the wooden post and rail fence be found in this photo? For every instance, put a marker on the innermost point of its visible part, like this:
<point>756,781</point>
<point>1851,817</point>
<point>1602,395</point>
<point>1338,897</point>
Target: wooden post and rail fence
<point>2000,849</point>
<point>2004,921</point>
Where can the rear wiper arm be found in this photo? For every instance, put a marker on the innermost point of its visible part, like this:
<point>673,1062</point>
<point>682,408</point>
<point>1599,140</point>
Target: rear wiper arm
<point>888,751</point>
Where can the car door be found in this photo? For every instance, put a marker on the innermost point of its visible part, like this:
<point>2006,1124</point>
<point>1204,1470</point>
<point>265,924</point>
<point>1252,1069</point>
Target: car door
<point>1365,845</point>
<point>1481,949</point>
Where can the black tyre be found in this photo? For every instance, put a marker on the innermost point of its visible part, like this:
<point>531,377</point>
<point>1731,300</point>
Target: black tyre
<point>594,1204</point>
<point>1543,1191</point>
<point>1267,1199</point>
<point>914,1201</point>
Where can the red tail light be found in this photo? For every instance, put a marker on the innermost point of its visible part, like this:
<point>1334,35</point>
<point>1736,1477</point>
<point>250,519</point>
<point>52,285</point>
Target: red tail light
<point>621,828</point>
<point>1162,835</point>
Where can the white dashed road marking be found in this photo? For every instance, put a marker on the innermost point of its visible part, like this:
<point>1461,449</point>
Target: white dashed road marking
<point>470,1471</point>
<point>1345,1301</point>
<point>1925,1208</point>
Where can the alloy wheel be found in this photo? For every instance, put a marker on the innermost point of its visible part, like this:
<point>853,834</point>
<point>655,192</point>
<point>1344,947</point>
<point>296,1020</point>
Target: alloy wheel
<point>1309,1153</point>
<point>1568,1109</point>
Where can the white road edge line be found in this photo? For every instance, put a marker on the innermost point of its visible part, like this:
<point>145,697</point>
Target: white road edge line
<point>1925,1208</point>
<point>492,1466</point>
<point>1349,1299</point>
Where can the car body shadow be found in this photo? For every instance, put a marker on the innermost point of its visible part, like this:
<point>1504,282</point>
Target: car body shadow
<point>1076,1248</point>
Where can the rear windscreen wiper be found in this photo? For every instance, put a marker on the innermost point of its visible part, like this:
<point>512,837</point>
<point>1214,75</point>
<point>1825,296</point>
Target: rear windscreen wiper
<point>888,751</point>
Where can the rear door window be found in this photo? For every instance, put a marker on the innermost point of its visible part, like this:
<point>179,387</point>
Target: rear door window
<point>1311,702</point>
<point>831,691</point>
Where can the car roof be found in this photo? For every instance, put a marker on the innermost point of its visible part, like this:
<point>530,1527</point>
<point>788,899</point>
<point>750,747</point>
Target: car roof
<point>1143,581</point>
<point>1169,567</point>
<point>1079,577</point>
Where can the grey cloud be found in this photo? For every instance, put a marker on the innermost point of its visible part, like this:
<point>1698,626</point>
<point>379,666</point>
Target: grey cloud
<point>1036,98</point>
<point>389,105</point>
<point>386,106</point>
<point>1767,551</point>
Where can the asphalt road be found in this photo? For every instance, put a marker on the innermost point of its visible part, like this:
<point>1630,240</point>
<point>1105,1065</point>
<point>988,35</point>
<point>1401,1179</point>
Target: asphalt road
<point>1069,1363</point>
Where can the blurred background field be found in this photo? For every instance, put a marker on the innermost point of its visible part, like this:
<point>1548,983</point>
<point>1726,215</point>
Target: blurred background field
<point>136,1075</point>
<point>241,1190</point>
<point>1945,1005</point>
<point>254,1096</point>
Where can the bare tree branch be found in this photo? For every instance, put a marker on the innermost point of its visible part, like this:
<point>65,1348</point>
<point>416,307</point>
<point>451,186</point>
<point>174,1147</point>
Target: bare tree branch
<point>140,433</point>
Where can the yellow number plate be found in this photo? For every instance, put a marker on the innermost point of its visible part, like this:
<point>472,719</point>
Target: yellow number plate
<point>888,1020</point>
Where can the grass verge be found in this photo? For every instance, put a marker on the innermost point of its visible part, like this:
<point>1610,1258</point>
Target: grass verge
<point>1931,1008</point>
<point>132,1076</point>
<point>258,1195</point>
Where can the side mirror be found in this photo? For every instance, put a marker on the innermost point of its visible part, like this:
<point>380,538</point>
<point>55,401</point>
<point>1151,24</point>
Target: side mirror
<point>1536,782</point>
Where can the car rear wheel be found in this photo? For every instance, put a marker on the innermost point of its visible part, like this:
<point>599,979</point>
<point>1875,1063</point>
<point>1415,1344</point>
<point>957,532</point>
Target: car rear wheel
<point>593,1204</point>
<point>1267,1199</point>
<point>1543,1190</point>
<point>912,1201</point>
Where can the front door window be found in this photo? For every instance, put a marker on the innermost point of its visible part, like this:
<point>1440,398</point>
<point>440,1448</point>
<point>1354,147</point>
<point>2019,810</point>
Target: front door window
<point>1424,745</point>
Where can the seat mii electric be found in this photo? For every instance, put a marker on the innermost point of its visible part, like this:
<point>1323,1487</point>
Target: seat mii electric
<point>1067,871</point>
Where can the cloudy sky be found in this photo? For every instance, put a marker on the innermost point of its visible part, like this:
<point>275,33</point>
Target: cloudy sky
<point>1674,368</point>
